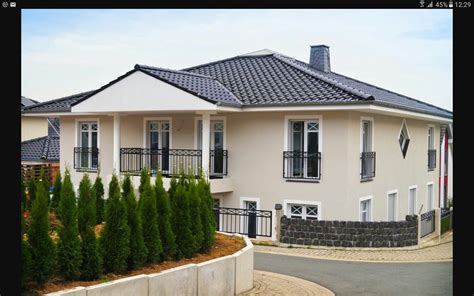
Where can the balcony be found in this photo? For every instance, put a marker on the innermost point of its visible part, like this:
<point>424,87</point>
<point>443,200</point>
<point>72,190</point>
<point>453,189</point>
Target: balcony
<point>367,170</point>
<point>171,162</point>
<point>86,159</point>
<point>431,159</point>
<point>299,165</point>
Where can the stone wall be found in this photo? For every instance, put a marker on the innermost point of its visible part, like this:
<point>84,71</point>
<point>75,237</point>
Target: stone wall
<point>350,233</point>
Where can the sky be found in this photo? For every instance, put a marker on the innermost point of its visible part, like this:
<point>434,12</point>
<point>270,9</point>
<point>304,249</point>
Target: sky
<point>71,51</point>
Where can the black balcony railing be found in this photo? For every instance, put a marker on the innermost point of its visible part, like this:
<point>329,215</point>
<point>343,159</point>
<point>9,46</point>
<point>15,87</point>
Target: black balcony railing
<point>218,163</point>
<point>431,159</point>
<point>171,162</point>
<point>367,165</point>
<point>86,158</point>
<point>301,165</point>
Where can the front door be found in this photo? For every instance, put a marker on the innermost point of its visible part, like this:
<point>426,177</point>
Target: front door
<point>251,207</point>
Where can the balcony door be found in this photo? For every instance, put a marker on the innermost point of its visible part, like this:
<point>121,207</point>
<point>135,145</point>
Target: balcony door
<point>216,164</point>
<point>367,158</point>
<point>304,143</point>
<point>88,142</point>
<point>158,141</point>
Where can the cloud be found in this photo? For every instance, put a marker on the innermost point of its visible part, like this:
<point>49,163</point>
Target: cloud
<point>83,49</point>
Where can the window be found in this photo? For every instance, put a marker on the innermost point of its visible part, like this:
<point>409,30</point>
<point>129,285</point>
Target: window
<point>158,141</point>
<point>404,139</point>
<point>365,210</point>
<point>302,160</point>
<point>392,206</point>
<point>303,211</point>
<point>367,154</point>
<point>431,149</point>
<point>218,161</point>
<point>87,154</point>
<point>429,196</point>
<point>412,201</point>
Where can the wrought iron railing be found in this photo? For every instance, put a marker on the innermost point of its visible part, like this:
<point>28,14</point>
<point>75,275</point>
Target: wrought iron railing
<point>301,165</point>
<point>218,163</point>
<point>171,162</point>
<point>244,221</point>
<point>431,159</point>
<point>86,158</point>
<point>427,223</point>
<point>367,162</point>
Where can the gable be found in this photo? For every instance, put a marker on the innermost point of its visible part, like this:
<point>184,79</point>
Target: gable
<point>141,92</point>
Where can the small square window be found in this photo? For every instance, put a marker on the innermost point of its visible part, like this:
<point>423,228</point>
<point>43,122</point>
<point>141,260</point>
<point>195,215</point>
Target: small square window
<point>296,210</point>
<point>165,126</point>
<point>365,213</point>
<point>218,126</point>
<point>313,126</point>
<point>403,139</point>
<point>153,126</point>
<point>94,126</point>
<point>85,127</point>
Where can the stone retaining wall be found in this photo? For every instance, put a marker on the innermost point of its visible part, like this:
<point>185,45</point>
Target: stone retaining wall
<point>350,233</point>
<point>229,275</point>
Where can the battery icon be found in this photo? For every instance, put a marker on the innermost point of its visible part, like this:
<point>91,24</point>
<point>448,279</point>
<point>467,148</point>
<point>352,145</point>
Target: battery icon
<point>450,3</point>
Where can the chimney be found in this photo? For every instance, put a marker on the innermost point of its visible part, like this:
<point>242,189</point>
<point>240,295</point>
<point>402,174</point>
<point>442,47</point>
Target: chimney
<point>319,58</point>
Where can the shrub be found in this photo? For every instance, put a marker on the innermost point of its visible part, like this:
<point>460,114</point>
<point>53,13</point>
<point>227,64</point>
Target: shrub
<point>31,186</point>
<point>182,222</point>
<point>144,178</point>
<point>25,254</point>
<point>42,247</point>
<point>151,233</point>
<point>69,245</point>
<point>44,180</point>
<point>98,189</point>
<point>91,261</point>
<point>195,214</point>
<point>126,186</point>
<point>163,207</point>
<point>56,191</point>
<point>115,238</point>
<point>172,189</point>
<point>207,214</point>
<point>138,250</point>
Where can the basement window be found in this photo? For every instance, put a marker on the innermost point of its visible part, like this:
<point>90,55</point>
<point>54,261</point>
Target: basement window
<point>404,139</point>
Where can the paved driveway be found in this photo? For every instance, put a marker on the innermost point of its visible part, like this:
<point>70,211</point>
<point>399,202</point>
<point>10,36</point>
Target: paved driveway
<point>361,278</point>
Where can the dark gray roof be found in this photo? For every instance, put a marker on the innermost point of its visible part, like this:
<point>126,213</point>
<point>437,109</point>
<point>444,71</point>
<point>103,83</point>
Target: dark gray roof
<point>27,102</point>
<point>57,105</point>
<point>40,149</point>
<point>205,87</point>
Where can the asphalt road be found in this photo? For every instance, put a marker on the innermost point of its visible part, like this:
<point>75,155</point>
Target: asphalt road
<point>360,278</point>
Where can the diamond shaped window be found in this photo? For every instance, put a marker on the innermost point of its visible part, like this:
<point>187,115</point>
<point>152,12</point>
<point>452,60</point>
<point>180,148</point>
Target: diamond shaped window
<point>404,139</point>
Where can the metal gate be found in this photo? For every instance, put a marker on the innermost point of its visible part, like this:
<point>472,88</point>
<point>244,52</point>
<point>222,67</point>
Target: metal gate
<point>427,223</point>
<point>252,223</point>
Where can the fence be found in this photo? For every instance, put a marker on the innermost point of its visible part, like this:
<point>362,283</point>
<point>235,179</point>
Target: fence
<point>301,165</point>
<point>244,221</point>
<point>29,170</point>
<point>427,223</point>
<point>446,220</point>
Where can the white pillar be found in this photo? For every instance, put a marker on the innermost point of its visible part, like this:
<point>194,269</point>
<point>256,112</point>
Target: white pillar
<point>442,168</point>
<point>206,132</point>
<point>116,143</point>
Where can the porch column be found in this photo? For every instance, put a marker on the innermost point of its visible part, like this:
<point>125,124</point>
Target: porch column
<point>116,143</point>
<point>206,132</point>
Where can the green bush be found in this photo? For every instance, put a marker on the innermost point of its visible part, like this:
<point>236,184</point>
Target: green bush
<point>144,178</point>
<point>56,191</point>
<point>163,207</point>
<point>25,254</point>
<point>44,180</point>
<point>91,261</point>
<point>138,250</point>
<point>42,247</point>
<point>195,214</point>
<point>31,186</point>
<point>182,222</point>
<point>98,189</point>
<point>151,233</point>
<point>69,245</point>
<point>207,214</point>
<point>115,239</point>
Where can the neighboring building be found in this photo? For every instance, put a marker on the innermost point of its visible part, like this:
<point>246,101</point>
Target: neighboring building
<point>446,167</point>
<point>32,127</point>
<point>268,129</point>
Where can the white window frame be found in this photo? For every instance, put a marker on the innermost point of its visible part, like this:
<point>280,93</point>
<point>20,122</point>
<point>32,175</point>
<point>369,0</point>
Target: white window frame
<point>146,120</point>
<point>243,199</point>
<point>415,199</point>
<point>287,202</point>
<point>365,198</point>
<point>78,121</point>
<point>430,207</point>
<point>396,204</point>
<point>213,118</point>
<point>371,119</point>
<point>404,123</point>
<point>431,126</point>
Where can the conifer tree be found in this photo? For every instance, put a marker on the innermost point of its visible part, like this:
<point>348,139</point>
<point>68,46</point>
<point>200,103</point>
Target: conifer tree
<point>42,246</point>
<point>144,178</point>
<point>69,245</point>
<point>91,261</point>
<point>23,194</point>
<point>115,238</point>
<point>56,191</point>
<point>207,215</point>
<point>98,189</point>
<point>195,214</point>
<point>138,250</point>
<point>126,186</point>
<point>151,233</point>
<point>25,254</point>
<point>172,189</point>
<point>31,186</point>
<point>44,180</point>
<point>163,207</point>
<point>182,222</point>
